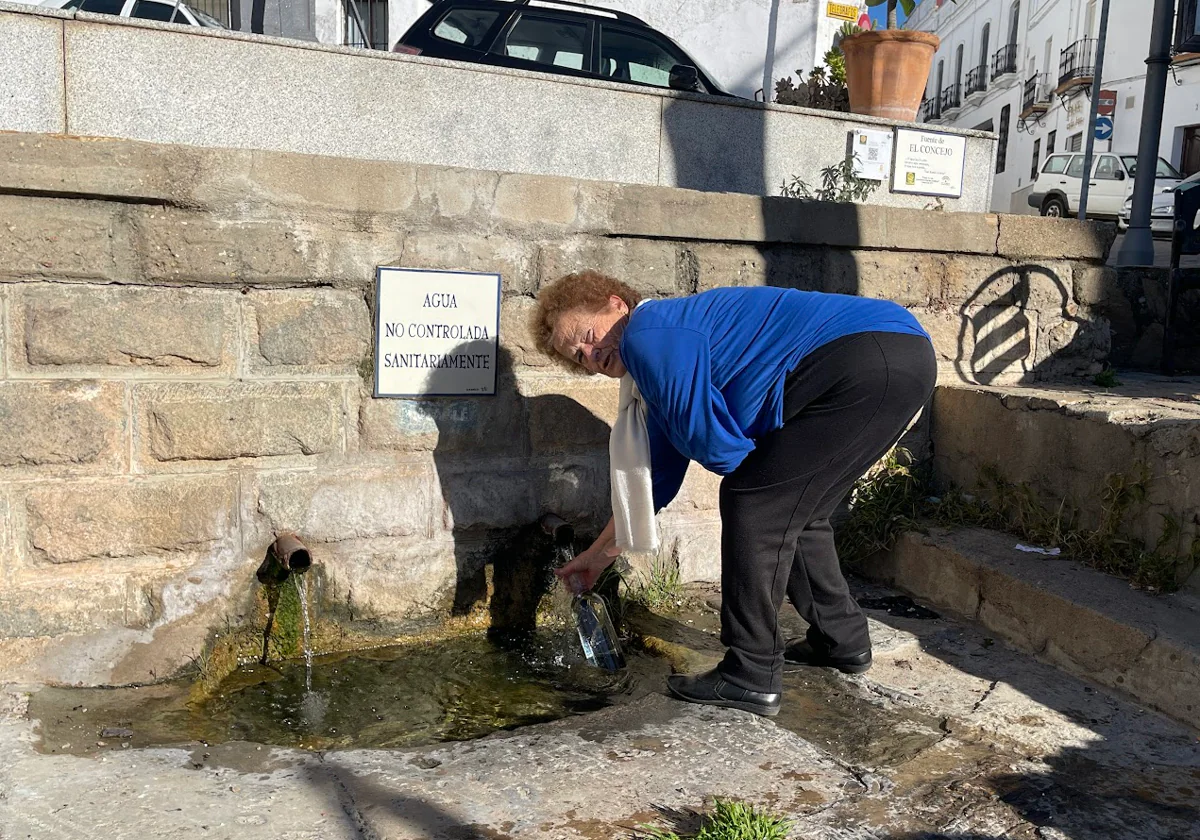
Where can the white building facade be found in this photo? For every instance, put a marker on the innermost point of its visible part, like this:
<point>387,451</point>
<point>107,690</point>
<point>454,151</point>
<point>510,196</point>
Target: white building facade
<point>1023,69</point>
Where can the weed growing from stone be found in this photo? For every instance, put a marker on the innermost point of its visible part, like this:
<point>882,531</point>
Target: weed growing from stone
<point>660,589</point>
<point>729,820</point>
<point>1107,378</point>
<point>884,503</point>
<point>838,183</point>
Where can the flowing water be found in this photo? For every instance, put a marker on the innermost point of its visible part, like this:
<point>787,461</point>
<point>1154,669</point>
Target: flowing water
<point>302,591</point>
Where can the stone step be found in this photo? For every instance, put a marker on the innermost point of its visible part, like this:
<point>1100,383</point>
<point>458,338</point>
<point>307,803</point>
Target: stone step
<point>1068,444</point>
<point>1085,622</point>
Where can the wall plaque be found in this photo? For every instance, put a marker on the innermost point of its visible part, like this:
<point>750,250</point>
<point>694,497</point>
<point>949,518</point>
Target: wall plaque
<point>436,332</point>
<point>928,163</point>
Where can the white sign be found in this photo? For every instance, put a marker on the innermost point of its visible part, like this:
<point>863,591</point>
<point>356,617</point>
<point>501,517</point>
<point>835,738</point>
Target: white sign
<point>435,332</point>
<point>871,153</point>
<point>928,163</point>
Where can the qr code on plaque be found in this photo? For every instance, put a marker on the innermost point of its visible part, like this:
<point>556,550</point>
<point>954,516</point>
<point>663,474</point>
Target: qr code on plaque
<point>872,154</point>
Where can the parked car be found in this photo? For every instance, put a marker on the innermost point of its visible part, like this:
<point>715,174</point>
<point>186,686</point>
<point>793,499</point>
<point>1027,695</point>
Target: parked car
<point>1057,188</point>
<point>556,37</point>
<point>160,10</point>
<point>1162,210</point>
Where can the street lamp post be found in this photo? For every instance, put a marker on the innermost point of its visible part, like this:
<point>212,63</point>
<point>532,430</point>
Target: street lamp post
<point>1138,245</point>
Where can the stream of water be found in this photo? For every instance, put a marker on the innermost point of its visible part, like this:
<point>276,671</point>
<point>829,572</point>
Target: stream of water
<point>302,590</point>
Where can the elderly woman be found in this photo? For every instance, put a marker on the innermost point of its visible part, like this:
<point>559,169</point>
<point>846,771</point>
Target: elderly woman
<point>791,396</point>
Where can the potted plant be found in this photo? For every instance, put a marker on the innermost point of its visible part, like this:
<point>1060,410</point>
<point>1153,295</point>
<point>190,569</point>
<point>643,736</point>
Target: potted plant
<point>886,69</point>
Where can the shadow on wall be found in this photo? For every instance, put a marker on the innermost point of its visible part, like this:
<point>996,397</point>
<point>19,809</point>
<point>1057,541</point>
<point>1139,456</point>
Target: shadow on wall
<point>999,334</point>
<point>502,461</point>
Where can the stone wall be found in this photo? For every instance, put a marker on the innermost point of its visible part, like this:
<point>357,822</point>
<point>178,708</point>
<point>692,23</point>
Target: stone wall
<point>93,75</point>
<point>185,369</point>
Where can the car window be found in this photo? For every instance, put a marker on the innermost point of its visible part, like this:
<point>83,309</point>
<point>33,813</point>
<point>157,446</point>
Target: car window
<point>102,7</point>
<point>1107,167</point>
<point>631,57</point>
<point>1164,170</point>
<point>466,26</point>
<point>154,10</point>
<point>547,40</point>
<point>1075,169</point>
<point>1056,165</point>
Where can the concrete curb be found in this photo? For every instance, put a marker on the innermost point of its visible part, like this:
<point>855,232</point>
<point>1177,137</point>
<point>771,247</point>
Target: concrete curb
<point>1087,623</point>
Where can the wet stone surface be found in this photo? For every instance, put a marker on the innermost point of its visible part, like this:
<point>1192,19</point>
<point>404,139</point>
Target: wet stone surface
<point>950,735</point>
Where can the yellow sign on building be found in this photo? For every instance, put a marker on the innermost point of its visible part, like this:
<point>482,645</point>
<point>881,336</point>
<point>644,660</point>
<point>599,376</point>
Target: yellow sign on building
<point>842,11</point>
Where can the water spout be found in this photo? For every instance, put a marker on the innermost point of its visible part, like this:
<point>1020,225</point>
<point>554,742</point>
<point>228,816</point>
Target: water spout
<point>286,555</point>
<point>560,530</point>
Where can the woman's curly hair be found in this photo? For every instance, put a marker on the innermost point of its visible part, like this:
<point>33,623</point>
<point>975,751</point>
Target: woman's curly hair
<point>582,290</point>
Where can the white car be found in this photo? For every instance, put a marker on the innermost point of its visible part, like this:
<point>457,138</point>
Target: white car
<point>1059,184</point>
<point>1162,210</point>
<point>160,10</point>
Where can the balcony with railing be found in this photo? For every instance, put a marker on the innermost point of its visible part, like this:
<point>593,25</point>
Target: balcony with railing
<point>1076,65</point>
<point>977,81</point>
<point>951,98</point>
<point>1036,97</point>
<point>1004,62</point>
<point>931,109</point>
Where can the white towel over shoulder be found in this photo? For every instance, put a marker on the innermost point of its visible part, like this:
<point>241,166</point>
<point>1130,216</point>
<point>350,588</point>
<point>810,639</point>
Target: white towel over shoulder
<point>629,463</point>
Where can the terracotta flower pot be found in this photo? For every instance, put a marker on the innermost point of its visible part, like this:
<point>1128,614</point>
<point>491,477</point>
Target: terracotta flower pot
<point>886,71</point>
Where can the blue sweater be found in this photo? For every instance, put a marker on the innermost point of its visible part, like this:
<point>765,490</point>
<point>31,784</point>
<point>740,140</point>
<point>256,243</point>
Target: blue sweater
<point>711,367</point>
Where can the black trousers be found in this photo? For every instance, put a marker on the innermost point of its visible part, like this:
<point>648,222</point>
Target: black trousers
<point>844,406</point>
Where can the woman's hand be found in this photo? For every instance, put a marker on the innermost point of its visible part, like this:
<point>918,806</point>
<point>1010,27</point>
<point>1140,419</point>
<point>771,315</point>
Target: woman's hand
<point>581,573</point>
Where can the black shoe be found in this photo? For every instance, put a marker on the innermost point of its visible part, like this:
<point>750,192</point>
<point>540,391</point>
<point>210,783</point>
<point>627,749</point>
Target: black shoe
<point>712,690</point>
<point>801,652</point>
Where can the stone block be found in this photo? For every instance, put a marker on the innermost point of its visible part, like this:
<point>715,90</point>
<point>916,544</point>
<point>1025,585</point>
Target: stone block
<point>525,201</point>
<point>445,425</point>
<point>184,246</point>
<point>516,332</point>
<point>130,518</point>
<point>393,581</point>
<point>663,213</point>
<point>1075,343</point>
<point>1045,286</point>
<point>1098,285</point>
<point>576,488</point>
<point>985,345</point>
<point>651,267</point>
<point>346,504</point>
<point>514,261</point>
<point>339,184</point>
<point>62,427</point>
<point>59,605</point>
<point>564,413</point>
<point>456,194</point>
<point>63,239</point>
<point>308,331</point>
<point>203,422</point>
<point>64,330</point>
<point>923,230</point>
<point>486,494</point>
<point>910,279</point>
<point>31,64</point>
<point>699,492</point>
<point>728,265</point>
<point>1026,237</point>
<point>694,546</point>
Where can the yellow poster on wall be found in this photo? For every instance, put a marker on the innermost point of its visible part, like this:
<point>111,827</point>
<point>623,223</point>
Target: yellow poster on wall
<point>842,11</point>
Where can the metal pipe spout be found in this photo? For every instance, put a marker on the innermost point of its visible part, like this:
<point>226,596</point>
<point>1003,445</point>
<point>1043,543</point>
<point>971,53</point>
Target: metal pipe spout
<point>284,556</point>
<point>559,529</point>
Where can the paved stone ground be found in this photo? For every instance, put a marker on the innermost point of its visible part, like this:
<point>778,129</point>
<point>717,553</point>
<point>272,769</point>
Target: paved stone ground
<point>950,735</point>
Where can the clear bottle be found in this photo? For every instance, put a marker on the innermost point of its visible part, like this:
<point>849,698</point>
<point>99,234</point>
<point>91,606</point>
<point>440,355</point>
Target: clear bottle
<point>596,632</point>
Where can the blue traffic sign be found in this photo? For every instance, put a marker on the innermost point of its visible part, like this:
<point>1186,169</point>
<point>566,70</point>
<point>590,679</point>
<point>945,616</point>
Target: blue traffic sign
<point>1104,128</point>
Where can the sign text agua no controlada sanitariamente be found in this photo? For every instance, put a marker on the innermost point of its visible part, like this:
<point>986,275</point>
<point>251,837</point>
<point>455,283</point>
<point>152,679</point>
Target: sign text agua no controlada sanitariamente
<point>436,332</point>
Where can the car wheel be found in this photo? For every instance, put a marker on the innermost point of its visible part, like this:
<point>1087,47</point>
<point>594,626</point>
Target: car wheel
<point>1054,207</point>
